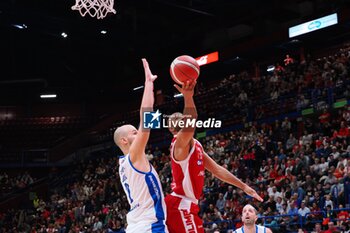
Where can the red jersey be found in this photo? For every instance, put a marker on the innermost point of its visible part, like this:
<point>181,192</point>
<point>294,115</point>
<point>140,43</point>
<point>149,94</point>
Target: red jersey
<point>188,174</point>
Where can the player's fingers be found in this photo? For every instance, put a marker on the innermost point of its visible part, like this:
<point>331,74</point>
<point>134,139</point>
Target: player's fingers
<point>145,64</point>
<point>178,88</point>
<point>190,84</point>
<point>256,196</point>
<point>154,77</point>
<point>193,84</point>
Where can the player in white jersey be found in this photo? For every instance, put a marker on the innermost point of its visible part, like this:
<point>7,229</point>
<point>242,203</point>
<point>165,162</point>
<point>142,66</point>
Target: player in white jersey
<point>139,179</point>
<point>249,217</point>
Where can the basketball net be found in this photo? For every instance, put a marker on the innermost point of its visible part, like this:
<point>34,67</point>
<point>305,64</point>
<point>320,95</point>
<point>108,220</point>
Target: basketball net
<point>95,8</point>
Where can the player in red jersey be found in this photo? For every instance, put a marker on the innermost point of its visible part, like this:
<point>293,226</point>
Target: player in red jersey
<point>188,163</point>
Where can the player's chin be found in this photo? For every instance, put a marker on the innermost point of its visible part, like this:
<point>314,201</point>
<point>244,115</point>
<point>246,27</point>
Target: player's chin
<point>248,220</point>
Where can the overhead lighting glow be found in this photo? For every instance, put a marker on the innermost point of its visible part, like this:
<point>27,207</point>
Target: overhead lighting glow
<point>64,35</point>
<point>20,26</point>
<point>270,68</point>
<point>137,88</point>
<point>103,32</point>
<point>48,96</point>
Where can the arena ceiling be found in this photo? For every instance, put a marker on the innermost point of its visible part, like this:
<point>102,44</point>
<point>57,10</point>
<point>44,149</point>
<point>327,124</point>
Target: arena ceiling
<point>90,66</point>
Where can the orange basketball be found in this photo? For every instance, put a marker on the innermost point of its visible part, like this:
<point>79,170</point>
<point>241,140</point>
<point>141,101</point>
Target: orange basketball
<point>184,68</point>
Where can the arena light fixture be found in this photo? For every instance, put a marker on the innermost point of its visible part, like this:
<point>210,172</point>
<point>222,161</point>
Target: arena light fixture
<point>270,68</point>
<point>20,26</point>
<point>64,35</point>
<point>313,25</point>
<point>178,95</point>
<point>138,88</point>
<point>48,96</point>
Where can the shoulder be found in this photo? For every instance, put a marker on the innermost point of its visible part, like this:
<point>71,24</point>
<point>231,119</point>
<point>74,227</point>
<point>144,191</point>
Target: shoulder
<point>197,146</point>
<point>122,158</point>
<point>268,230</point>
<point>195,141</point>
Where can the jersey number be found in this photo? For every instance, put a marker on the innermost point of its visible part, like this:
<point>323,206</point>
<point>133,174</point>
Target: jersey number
<point>128,190</point>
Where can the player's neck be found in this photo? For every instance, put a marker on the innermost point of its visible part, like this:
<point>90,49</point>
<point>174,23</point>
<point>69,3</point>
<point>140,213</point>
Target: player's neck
<point>125,151</point>
<point>249,228</point>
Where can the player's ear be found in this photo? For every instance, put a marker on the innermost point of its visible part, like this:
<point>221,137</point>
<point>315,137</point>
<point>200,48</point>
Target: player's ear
<point>124,140</point>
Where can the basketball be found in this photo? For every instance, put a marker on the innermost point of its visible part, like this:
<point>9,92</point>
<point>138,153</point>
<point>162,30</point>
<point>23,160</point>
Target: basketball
<point>184,68</point>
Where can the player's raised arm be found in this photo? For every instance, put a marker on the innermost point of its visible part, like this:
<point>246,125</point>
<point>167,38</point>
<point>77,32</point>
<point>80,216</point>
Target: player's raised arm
<point>226,176</point>
<point>185,136</point>
<point>137,149</point>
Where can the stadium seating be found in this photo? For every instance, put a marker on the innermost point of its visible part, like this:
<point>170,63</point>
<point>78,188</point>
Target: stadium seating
<point>299,165</point>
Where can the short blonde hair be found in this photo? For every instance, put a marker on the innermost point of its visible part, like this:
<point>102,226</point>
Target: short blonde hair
<point>119,133</point>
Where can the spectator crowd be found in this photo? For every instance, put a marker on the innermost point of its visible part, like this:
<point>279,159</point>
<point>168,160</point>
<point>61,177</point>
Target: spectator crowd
<point>10,183</point>
<point>300,166</point>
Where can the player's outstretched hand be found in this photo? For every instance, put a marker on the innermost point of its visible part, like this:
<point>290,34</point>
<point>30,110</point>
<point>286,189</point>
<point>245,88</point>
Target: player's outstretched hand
<point>251,192</point>
<point>149,77</point>
<point>187,88</point>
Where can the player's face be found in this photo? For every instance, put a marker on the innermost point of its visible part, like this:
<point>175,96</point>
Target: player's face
<point>248,215</point>
<point>173,122</point>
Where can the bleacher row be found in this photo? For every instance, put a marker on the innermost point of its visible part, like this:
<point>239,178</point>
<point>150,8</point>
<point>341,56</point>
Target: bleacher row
<point>39,132</point>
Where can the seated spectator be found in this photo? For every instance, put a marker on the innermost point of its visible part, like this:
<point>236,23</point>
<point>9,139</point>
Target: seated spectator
<point>279,180</point>
<point>306,139</point>
<point>243,97</point>
<point>278,68</point>
<point>288,60</point>
<point>279,205</point>
<point>339,172</point>
<point>324,117</point>
<point>286,125</point>
<point>318,228</point>
<point>302,102</point>
<point>220,203</point>
<point>330,179</point>
<point>291,142</point>
<point>303,210</point>
<point>331,228</point>
<point>274,193</point>
<point>343,132</point>
<point>342,216</point>
<point>115,226</point>
<point>316,213</point>
<point>229,193</point>
<point>324,166</point>
<point>149,155</point>
<point>293,211</point>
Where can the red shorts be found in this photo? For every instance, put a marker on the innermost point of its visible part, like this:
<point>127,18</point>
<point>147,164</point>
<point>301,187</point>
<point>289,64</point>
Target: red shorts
<point>182,216</point>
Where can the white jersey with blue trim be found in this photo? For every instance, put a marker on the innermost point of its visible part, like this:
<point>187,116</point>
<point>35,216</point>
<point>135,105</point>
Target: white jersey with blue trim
<point>258,229</point>
<point>144,192</point>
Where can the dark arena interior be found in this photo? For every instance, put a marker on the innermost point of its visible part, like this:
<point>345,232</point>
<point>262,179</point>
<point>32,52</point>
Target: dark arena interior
<point>282,99</point>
